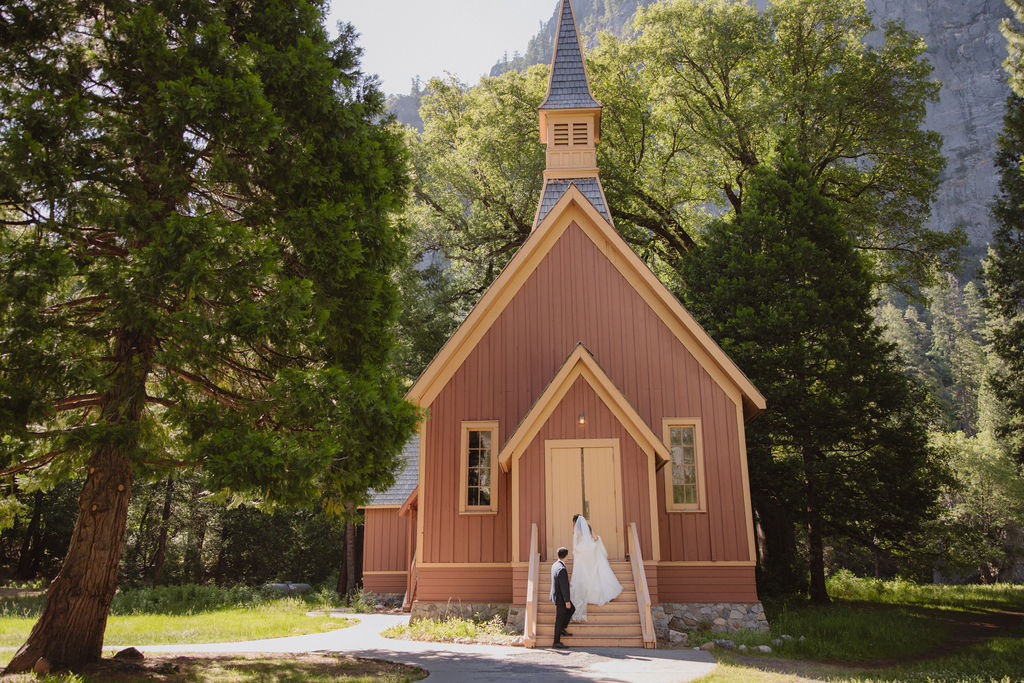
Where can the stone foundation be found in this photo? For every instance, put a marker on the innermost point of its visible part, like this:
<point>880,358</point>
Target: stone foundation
<point>389,600</point>
<point>516,618</point>
<point>720,617</point>
<point>463,610</point>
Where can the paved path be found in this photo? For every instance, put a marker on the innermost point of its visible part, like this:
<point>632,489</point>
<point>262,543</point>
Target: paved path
<point>464,663</point>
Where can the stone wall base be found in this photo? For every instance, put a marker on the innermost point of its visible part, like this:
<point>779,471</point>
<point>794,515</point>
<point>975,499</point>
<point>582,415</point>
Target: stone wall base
<point>720,617</point>
<point>516,618</point>
<point>463,610</point>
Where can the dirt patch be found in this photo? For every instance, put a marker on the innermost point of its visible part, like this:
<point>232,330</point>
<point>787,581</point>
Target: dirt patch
<point>967,629</point>
<point>214,667</point>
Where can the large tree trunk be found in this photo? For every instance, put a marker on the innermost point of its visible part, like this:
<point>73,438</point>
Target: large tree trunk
<point>157,574</point>
<point>33,539</point>
<point>69,632</point>
<point>819,592</point>
<point>782,571</point>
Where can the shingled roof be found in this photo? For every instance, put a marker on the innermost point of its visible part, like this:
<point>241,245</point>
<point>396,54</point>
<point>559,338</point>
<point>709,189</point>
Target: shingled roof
<point>568,88</point>
<point>405,480</point>
<point>555,188</point>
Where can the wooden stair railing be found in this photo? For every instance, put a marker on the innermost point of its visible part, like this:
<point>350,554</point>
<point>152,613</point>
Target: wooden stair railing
<point>410,591</point>
<point>530,625</point>
<point>643,595</point>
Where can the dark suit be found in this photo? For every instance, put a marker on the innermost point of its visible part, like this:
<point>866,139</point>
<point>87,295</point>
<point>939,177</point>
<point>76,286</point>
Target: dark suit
<point>560,588</point>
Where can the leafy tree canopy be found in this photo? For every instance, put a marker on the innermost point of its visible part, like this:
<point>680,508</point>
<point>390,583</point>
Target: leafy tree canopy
<point>194,266</point>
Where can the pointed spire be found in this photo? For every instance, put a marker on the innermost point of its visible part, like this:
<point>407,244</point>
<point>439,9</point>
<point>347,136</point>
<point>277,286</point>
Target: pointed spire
<point>568,87</point>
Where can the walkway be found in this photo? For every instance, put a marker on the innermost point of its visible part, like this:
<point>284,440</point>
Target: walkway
<point>465,663</point>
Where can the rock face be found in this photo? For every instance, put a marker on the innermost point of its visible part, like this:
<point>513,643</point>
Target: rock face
<point>967,51</point>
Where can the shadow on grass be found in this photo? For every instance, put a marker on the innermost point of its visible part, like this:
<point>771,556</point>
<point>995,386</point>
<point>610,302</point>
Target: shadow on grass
<point>240,668</point>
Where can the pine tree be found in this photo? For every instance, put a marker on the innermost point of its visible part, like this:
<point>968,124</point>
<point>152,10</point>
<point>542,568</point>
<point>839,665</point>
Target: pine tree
<point>1004,277</point>
<point>194,268</point>
<point>783,290</point>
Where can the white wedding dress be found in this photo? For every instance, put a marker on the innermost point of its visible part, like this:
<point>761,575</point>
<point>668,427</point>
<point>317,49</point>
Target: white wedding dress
<point>593,581</point>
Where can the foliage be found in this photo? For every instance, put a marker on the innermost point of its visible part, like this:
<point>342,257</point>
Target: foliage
<point>477,173</point>
<point>195,262</point>
<point>983,510</point>
<point>452,629</point>
<point>1014,63</point>
<point>727,85</point>
<point>842,445</point>
<point>676,148</point>
<point>1004,277</point>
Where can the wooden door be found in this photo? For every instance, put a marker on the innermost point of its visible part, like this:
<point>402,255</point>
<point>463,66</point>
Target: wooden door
<point>584,477</point>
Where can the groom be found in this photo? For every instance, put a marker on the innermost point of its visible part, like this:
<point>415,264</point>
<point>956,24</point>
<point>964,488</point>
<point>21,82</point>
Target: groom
<point>559,595</point>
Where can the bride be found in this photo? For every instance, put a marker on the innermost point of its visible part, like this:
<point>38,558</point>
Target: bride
<point>593,580</point>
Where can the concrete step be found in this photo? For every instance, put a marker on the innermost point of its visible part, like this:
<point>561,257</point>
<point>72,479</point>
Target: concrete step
<point>594,641</point>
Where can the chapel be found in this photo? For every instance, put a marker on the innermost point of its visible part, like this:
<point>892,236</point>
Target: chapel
<point>577,384</point>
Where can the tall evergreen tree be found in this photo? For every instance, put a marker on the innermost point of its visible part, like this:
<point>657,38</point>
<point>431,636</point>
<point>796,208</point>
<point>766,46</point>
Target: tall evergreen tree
<point>194,267</point>
<point>783,290</point>
<point>1004,277</point>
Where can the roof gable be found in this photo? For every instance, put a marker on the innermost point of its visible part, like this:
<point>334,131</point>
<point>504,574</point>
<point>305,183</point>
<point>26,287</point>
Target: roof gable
<point>580,364</point>
<point>574,207</point>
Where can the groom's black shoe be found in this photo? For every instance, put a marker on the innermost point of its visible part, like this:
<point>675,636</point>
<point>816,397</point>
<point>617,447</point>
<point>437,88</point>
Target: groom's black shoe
<point>566,633</point>
<point>559,645</point>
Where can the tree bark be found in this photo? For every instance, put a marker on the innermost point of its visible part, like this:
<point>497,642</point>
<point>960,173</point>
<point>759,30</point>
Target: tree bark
<point>132,560</point>
<point>350,555</point>
<point>819,592</point>
<point>69,632</point>
<point>161,547</point>
<point>33,539</point>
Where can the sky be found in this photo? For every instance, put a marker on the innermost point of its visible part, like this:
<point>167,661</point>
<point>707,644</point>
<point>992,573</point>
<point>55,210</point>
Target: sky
<point>405,38</point>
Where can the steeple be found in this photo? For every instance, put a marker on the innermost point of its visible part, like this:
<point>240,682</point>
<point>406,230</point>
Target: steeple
<point>570,123</point>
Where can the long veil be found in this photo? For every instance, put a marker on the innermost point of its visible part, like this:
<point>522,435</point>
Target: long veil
<point>593,580</point>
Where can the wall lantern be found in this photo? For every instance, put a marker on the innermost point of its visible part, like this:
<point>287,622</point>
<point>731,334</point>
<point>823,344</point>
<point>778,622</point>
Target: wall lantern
<point>582,419</point>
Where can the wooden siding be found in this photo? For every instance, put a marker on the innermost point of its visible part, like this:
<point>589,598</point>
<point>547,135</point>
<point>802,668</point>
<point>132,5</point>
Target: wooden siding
<point>466,584</point>
<point>600,424</point>
<point>706,584</point>
<point>385,542</point>
<point>385,583</point>
<point>575,294</point>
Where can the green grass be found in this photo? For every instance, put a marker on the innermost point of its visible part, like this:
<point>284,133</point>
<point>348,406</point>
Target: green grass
<point>856,632</point>
<point>283,617</point>
<point>454,629</point>
<point>871,621</point>
<point>845,586</point>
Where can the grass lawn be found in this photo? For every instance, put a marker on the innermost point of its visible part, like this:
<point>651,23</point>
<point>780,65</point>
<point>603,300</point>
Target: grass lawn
<point>270,620</point>
<point>887,631</point>
<point>241,669</point>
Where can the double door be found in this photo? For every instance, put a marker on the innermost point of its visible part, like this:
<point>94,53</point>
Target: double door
<point>584,477</point>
